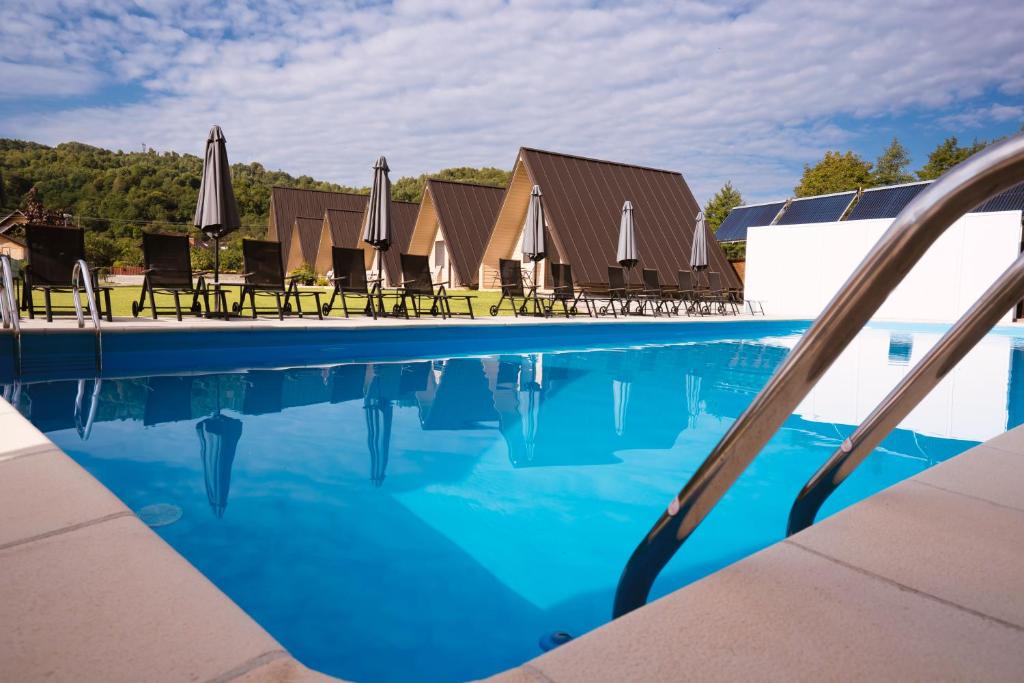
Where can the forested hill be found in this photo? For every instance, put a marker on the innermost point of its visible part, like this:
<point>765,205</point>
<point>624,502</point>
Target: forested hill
<point>118,194</point>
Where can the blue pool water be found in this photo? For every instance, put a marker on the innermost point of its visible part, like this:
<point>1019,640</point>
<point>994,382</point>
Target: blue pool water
<point>432,519</point>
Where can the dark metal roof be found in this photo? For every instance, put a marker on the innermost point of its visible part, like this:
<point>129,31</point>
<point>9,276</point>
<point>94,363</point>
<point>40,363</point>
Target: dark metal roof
<point>734,227</point>
<point>1010,200</point>
<point>288,203</point>
<point>345,226</point>
<point>466,213</point>
<point>307,230</point>
<point>583,204</point>
<point>403,220</point>
<point>885,202</point>
<point>821,209</point>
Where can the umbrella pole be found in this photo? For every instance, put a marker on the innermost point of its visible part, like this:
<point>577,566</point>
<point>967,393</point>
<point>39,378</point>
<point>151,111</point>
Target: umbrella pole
<point>216,273</point>
<point>380,281</point>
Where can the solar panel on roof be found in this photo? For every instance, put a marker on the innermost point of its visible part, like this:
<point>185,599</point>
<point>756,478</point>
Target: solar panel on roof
<point>817,209</point>
<point>734,227</point>
<point>885,202</point>
<point>1010,200</point>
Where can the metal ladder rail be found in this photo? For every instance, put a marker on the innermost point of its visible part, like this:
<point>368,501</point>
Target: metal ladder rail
<point>956,343</point>
<point>914,230</point>
<point>9,309</point>
<point>81,273</point>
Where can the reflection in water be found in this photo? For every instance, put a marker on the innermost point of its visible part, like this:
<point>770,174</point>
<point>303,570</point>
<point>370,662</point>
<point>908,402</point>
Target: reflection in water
<point>84,425</point>
<point>901,347</point>
<point>218,440</point>
<point>505,492</point>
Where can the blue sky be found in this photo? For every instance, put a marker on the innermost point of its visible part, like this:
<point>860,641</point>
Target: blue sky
<point>744,91</point>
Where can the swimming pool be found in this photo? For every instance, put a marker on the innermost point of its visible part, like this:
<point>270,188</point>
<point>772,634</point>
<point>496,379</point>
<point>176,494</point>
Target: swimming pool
<point>432,518</point>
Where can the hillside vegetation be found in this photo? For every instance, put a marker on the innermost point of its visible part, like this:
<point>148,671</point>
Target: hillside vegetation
<point>116,195</point>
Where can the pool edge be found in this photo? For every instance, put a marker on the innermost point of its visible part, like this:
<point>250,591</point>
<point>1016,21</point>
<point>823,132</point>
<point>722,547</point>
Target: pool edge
<point>83,533</point>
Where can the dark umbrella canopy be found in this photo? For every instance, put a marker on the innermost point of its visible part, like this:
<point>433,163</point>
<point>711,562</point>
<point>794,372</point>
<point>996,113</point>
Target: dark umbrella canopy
<point>699,252</point>
<point>218,439</point>
<point>534,242</point>
<point>627,254</point>
<point>377,229</point>
<point>216,209</point>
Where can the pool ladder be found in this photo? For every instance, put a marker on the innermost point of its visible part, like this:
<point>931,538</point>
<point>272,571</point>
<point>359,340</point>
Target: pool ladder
<point>81,274</point>
<point>914,230</point>
<point>9,308</point>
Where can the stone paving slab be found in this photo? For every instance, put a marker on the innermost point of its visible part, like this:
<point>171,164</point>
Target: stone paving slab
<point>111,602</point>
<point>923,581</point>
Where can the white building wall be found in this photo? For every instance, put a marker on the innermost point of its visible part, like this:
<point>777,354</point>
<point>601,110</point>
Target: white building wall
<point>796,269</point>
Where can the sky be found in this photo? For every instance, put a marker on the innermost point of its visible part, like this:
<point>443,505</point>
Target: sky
<point>745,91</point>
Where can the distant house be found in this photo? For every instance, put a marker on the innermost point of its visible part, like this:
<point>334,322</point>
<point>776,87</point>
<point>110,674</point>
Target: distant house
<point>11,220</point>
<point>288,204</point>
<point>583,201</point>
<point>453,226</point>
<point>340,228</point>
<point>304,243</point>
<point>12,246</point>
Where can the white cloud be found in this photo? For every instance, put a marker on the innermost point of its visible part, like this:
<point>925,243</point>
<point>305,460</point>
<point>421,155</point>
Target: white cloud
<point>742,91</point>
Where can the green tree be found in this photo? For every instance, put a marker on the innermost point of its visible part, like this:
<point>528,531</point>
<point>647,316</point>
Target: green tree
<point>719,206</point>
<point>835,172</point>
<point>891,165</point>
<point>946,155</point>
<point>410,189</point>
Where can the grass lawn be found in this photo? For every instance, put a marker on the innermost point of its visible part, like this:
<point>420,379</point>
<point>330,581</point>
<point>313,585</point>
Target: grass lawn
<point>121,298</point>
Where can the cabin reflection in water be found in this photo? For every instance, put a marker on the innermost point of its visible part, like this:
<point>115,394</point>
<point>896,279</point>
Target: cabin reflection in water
<point>542,410</point>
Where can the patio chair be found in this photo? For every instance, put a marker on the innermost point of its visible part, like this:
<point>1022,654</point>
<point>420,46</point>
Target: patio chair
<point>686,293</point>
<point>618,294</point>
<point>513,288</point>
<point>264,275</point>
<point>655,296</point>
<point>417,286</point>
<point>52,255</point>
<point>722,295</point>
<point>349,280</point>
<point>563,292</point>
<point>169,271</point>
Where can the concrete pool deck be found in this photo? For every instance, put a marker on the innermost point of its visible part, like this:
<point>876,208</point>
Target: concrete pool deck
<point>924,580</point>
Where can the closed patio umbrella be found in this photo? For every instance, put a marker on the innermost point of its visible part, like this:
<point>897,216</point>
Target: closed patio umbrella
<point>627,255</point>
<point>377,229</point>
<point>218,440</point>
<point>535,246</point>
<point>699,252</point>
<point>216,208</point>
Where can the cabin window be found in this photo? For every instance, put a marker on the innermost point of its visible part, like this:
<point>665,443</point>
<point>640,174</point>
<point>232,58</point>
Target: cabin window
<point>439,254</point>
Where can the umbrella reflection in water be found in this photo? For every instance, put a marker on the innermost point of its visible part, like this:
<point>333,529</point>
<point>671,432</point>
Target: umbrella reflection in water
<point>218,440</point>
<point>379,408</point>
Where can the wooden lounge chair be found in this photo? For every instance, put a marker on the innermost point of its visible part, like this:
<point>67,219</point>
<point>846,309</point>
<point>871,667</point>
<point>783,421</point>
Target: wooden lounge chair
<point>349,280</point>
<point>564,292</point>
<point>513,288</point>
<point>417,286</point>
<point>52,255</point>
<point>264,275</point>
<point>169,271</point>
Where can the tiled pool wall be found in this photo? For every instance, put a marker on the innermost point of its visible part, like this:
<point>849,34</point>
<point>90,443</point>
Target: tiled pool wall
<point>60,353</point>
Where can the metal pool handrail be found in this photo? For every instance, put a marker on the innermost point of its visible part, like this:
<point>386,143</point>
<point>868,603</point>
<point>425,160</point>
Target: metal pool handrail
<point>9,308</point>
<point>914,230</point>
<point>1004,293</point>
<point>82,269</point>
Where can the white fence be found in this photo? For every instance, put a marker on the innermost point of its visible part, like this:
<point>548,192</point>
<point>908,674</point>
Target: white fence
<point>796,269</point>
